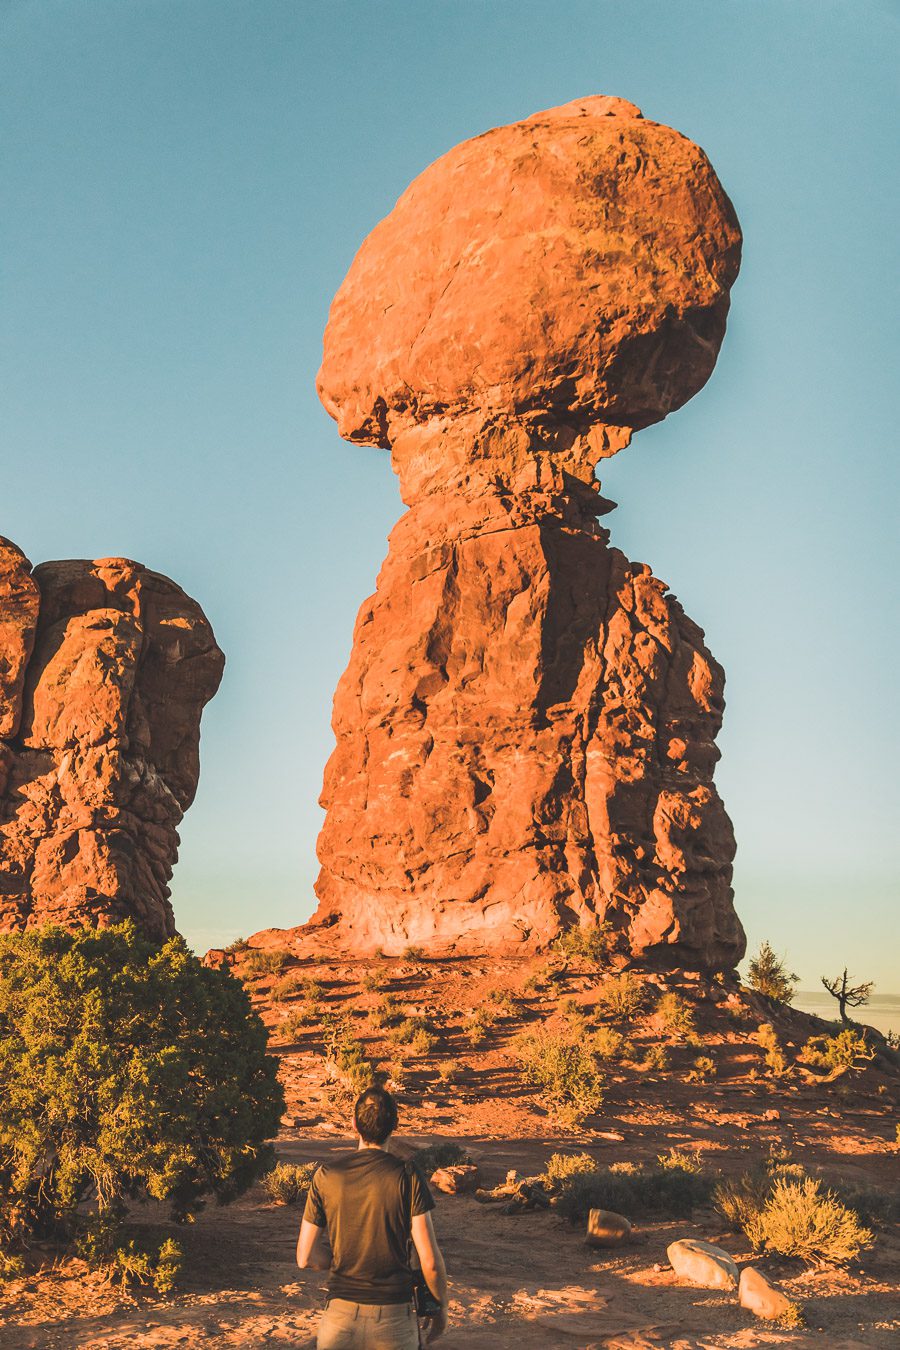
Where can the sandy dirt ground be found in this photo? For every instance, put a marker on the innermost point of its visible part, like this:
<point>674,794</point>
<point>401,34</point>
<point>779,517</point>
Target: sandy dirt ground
<point>524,1280</point>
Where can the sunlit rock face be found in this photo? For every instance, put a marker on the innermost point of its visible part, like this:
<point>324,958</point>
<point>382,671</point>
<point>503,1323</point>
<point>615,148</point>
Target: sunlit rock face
<point>104,670</point>
<point>526,730</point>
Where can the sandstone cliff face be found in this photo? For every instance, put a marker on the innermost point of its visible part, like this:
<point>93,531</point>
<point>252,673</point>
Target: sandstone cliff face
<point>525,732</point>
<point>104,670</point>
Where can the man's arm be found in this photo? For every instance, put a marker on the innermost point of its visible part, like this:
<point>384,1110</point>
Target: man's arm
<point>433,1268</point>
<point>313,1252</point>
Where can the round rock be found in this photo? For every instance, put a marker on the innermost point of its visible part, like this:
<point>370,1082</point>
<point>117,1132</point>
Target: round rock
<point>607,1229</point>
<point>702,1264</point>
<point>573,266</point>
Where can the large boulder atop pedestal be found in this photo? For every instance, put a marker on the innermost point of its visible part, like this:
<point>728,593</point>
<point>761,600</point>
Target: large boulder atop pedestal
<point>573,265</point>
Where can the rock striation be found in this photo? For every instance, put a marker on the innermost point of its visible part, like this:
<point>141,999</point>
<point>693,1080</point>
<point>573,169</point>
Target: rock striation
<point>104,670</point>
<point>526,729</point>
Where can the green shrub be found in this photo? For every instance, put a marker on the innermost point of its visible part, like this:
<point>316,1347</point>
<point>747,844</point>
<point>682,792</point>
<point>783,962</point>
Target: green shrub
<point>672,1186</point>
<point>621,997</point>
<point>413,953</point>
<point>769,975</point>
<point>126,1070</point>
<point>565,1067</point>
<point>591,945</point>
<point>432,1156</point>
<point>842,1051</point>
<point>288,1183</point>
<point>131,1261</point>
<point>677,1016</point>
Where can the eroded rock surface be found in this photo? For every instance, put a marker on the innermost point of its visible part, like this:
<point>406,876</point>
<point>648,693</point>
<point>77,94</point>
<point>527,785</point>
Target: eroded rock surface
<point>525,732</point>
<point>104,670</point>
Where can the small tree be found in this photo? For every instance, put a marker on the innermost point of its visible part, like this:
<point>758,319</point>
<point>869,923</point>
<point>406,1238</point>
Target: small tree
<point>768,975</point>
<point>848,995</point>
<point>127,1070</point>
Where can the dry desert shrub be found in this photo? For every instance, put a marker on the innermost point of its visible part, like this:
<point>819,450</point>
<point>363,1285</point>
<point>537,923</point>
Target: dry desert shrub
<point>608,1043</point>
<point>589,945</point>
<point>288,1183</point>
<point>257,961</point>
<point>677,1017</point>
<point>776,1059</point>
<point>672,1186</point>
<point>657,1057</point>
<point>433,1156</point>
<point>450,1071</point>
<point>836,1053</point>
<point>621,997</point>
<point>800,1219</point>
<point>285,989</point>
<point>346,1057</point>
<point>782,1209</point>
<point>703,1070</point>
<point>565,1066</point>
<point>373,980</point>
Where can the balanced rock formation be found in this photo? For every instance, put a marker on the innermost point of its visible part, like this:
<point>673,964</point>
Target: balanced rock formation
<point>104,670</point>
<point>526,730</point>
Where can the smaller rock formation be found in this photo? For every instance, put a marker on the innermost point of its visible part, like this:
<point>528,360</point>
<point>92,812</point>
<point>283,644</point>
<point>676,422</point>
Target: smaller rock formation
<point>104,670</point>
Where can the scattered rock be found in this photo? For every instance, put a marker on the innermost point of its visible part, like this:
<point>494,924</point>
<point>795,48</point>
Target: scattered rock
<point>104,670</point>
<point>460,1179</point>
<point>606,1229</point>
<point>761,1297</point>
<point>702,1264</point>
<point>526,729</point>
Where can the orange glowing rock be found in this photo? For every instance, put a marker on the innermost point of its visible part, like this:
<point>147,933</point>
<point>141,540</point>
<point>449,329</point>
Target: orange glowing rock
<point>525,732</point>
<point>104,670</point>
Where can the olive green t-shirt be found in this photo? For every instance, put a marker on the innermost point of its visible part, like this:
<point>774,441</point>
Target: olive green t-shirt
<point>365,1199</point>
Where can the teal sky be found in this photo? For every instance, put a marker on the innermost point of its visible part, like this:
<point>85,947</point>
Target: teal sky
<point>186,183</point>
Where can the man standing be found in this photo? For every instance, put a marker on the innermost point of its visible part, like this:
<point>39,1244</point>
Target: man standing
<point>373,1206</point>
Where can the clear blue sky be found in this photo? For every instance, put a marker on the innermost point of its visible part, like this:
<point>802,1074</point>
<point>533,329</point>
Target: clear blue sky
<point>186,183</point>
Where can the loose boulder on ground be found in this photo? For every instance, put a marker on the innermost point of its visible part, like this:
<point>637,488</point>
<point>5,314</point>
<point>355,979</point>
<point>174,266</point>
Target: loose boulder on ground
<point>606,1229</point>
<point>460,1179</point>
<point>702,1264</point>
<point>762,1297</point>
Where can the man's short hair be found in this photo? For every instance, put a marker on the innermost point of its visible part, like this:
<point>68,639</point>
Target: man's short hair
<point>375,1114</point>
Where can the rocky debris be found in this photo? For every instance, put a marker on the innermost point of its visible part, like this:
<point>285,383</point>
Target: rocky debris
<point>104,670</point>
<point>762,1297</point>
<point>460,1179</point>
<point>520,1193</point>
<point>607,1229</point>
<point>526,729</point>
<point>702,1264</point>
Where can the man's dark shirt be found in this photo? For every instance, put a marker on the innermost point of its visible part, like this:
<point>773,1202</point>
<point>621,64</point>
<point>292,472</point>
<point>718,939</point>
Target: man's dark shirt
<point>365,1199</point>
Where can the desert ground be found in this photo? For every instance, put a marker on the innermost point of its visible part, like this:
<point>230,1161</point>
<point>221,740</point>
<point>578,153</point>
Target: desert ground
<point>519,1277</point>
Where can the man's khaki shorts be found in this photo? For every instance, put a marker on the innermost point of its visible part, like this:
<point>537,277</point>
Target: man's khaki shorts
<point>368,1326</point>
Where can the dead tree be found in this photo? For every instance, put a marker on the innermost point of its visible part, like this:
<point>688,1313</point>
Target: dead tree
<point>847,994</point>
